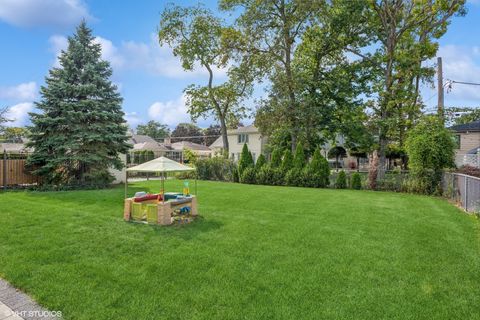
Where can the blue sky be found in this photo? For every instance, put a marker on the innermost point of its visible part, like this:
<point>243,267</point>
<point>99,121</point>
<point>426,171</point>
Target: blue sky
<point>149,77</point>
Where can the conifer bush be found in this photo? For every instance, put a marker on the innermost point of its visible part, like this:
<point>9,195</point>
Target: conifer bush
<point>341,182</point>
<point>356,181</point>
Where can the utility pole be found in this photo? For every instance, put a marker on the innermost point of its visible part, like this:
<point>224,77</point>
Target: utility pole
<point>440,106</point>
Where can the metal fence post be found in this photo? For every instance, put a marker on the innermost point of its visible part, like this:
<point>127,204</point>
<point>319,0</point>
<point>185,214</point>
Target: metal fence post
<point>4,169</point>
<point>466,193</point>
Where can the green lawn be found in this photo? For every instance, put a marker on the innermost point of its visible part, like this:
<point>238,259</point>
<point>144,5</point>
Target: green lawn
<point>257,252</point>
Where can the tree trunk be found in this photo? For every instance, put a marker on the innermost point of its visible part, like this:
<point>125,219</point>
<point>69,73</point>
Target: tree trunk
<point>223,129</point>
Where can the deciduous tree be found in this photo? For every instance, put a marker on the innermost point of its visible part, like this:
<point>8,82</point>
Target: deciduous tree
<point>154,129</point>
<point>195,35</point>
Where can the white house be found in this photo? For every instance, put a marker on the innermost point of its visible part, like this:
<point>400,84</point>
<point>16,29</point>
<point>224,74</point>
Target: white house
<point>249,135</point>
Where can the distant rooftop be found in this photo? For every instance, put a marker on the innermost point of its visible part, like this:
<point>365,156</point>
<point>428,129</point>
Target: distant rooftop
<point>471,126</point>
<point>189,145</point>
<point>247,129</point>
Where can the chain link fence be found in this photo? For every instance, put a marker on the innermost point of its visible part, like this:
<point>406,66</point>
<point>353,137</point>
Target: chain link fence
<point>462,189</point>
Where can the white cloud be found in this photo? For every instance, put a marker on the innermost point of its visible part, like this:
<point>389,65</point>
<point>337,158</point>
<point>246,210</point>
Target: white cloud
<point>459,64</point>
<point>133,119</point>
<point>132,55</point>
<point>19,114</point>
<point>51,13</point>
<point>21,92</point>
<point>170,112</point>
<point>110,53</point>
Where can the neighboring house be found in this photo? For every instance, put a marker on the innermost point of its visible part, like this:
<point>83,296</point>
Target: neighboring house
<point>249,135</point>
<point>146,143</point>
<point>467,137</point>
<point>200,150</point>
<point>14,148</point>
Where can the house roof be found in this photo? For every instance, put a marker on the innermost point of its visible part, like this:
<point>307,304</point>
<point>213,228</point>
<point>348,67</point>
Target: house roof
<point>471,126</point>
<point>14,147</point>
<point>217,143</point>
<point>247,129</point>
<point>474,150</point>
<point>140,138</point>
<point>189,145</point>
<point>153,146</point>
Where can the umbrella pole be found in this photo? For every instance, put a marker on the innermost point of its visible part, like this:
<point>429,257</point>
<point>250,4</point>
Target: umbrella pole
<point>163,187</point>
<point>126,183</point>
<point>195,185</point>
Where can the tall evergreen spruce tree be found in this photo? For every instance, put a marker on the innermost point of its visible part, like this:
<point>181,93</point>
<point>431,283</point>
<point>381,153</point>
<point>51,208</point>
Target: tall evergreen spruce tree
<point>80,131</point>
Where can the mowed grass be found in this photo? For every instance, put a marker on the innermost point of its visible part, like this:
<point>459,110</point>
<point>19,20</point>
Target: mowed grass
<point>257,252</point>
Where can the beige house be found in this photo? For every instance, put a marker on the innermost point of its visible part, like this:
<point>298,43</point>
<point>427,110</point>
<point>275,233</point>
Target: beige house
<point>249,135</point>
<point>199,149</point>
<point>468,144</point>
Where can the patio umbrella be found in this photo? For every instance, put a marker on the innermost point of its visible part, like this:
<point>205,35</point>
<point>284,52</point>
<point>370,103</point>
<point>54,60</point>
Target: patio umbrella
<point>159,165</point>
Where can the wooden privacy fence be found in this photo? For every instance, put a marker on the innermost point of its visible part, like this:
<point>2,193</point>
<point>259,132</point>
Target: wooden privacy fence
<point>13,172</point>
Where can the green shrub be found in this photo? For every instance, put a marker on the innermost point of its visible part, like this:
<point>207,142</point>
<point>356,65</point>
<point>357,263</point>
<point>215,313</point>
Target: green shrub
<point>423,182</point>
<point>216,168</point>
<point>299,158</point>
<point>267,175</point>
<point>430,148</point>
<point>260,162</point>
<point>287,161</point>
<point>246,160</point>
<point>341,182</point>
<point>294,177</point>
<point>276,160</point>
<point>312,179</point>
<point>264,175</point>
<point>186,175</point>
<point>248,176</point>
<point>356,181</point>
<point>235,177</point>
<point>319,165</point>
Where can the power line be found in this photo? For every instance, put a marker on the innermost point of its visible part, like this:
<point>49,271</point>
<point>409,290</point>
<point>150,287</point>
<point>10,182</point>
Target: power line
<point>463,82</point>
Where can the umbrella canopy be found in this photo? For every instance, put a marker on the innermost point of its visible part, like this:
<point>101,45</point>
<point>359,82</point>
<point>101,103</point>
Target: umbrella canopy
<point>161,164</point>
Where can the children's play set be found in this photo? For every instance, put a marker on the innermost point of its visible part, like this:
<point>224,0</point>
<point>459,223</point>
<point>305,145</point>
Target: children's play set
<point>164,208</point>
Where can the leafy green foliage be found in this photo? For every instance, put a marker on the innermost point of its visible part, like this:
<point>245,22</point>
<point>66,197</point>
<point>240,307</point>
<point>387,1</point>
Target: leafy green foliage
<point>248,176</point>
<point>287,161</point>
<point>3,118</point>
<point>430,148</point>
<point>261,161</point>
<point>320,168</point>
<point>80,129</point>
<point>430,145</point>
<point>276,160</point>
<point>462,115</point>
<point>190,156</point>
<point>153,129</point>
<point>236,175</point>
<point>14,134</point>
<point>187,131</point>
<point>341,182</point>
<point>299,157</point>
<point>216,168</point>
<point>195,35</point>
<point>267,175</point>
<point>294,177</point>
<point>356,181</point>
<point>246,160</point>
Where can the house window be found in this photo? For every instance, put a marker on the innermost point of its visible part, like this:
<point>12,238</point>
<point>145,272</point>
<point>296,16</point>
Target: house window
<point>233,156</point>
<point>242,138</point>
<point>457,139</point>
<point>253,156</point>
